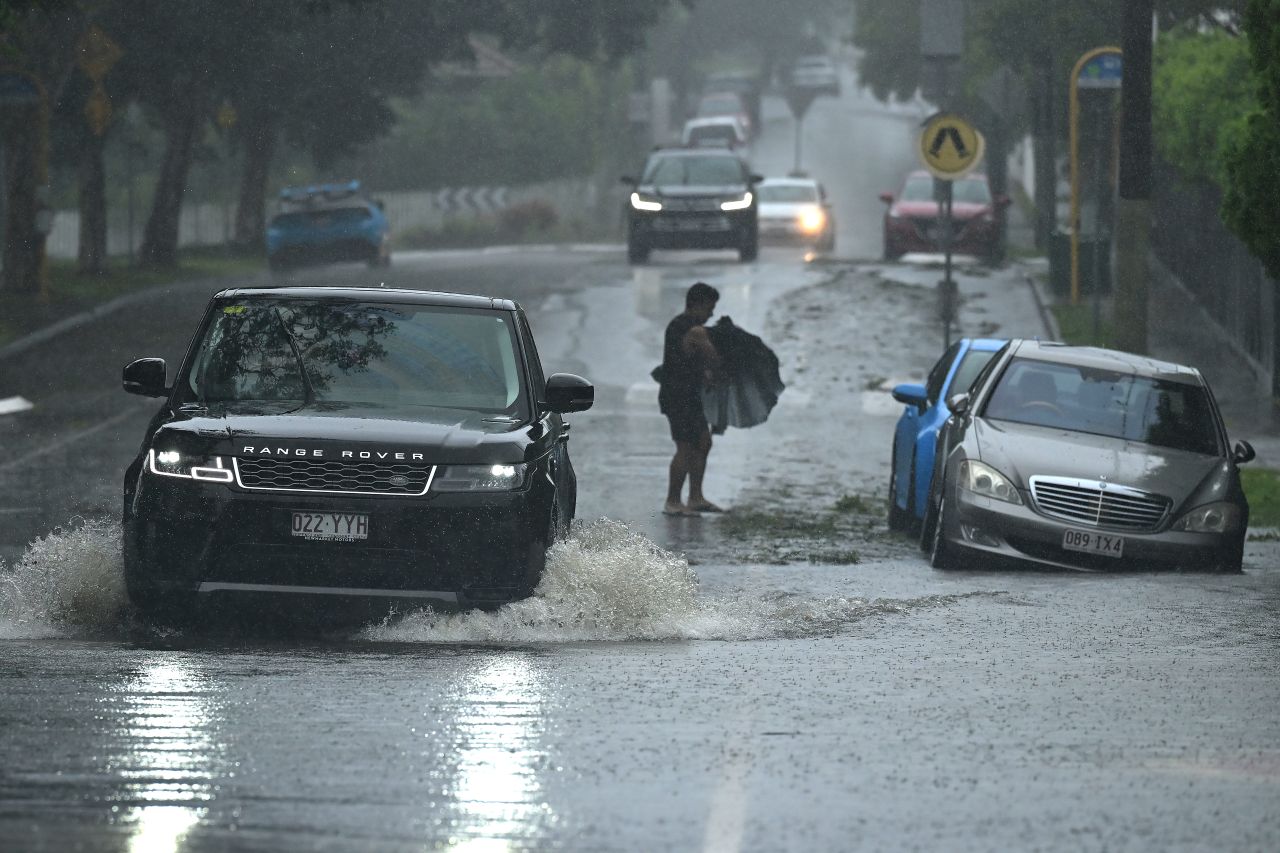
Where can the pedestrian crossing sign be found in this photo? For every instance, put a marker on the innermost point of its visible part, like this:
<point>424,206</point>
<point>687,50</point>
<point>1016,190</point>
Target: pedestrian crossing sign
<point>950,147</point>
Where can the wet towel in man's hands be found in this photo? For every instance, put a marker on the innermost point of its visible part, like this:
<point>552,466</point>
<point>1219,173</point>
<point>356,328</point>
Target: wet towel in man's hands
<point>749,382</point>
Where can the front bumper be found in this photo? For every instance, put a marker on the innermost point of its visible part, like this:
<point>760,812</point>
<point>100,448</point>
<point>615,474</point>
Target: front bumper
<point>185,538</point>
<point>904,234</point>
<point>789,232</point>
<point>982,527</point>
<point>693,229</point>
<point>329,251</point>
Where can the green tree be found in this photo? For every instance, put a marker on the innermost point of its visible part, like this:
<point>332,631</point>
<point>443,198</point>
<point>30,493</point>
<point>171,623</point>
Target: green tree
<point>1252,204</point>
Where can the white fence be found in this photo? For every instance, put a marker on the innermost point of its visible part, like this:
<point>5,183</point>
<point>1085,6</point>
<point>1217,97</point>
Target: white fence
<point>577,199</point>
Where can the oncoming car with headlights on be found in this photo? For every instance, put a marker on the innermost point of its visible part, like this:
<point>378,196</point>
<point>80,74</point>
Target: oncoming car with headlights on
<point>1087,458</point>
<point>796,210</point>
<point>350,443</point>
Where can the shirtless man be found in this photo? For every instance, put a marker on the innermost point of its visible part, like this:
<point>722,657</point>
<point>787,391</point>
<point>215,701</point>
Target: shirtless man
<point>689,363</point>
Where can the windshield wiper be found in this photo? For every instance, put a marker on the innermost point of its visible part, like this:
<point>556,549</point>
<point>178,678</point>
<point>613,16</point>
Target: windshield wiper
<point>297,353</point>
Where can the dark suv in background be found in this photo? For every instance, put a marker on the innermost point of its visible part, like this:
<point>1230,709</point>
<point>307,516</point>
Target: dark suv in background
<point>692,199</point>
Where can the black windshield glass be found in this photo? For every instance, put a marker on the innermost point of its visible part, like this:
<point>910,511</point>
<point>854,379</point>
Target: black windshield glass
<point>387,355</point>
<point>695,171</point>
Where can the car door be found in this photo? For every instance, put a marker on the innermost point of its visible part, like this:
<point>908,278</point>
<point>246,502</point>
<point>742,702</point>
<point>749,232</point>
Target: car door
<point>922,426</point>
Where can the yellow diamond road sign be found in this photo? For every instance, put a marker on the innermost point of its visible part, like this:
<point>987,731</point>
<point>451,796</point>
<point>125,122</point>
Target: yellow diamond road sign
<point>950,147</point>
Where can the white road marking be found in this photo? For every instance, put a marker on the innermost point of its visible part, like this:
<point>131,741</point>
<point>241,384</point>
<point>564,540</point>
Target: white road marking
<point>67,441</point>
<point>13,405</point>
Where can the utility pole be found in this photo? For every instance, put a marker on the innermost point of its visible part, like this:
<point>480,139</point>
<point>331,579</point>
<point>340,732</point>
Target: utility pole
<point>1133,213</point>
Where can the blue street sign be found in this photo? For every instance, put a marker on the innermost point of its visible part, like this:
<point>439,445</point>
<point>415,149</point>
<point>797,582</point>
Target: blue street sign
<point>1101,72</point>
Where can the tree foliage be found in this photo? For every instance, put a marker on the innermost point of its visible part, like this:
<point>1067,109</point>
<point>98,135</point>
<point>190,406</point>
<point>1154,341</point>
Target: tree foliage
<point>1203,91</point>
<point>1252,204</point>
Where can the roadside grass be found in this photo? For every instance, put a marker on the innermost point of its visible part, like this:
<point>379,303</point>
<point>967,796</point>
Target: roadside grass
<point>1262,488</point>
<point>819,536</point>
<point>71,291</point>
<point>1076,324</point>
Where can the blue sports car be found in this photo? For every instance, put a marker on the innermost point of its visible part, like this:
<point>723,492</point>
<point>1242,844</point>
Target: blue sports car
<point>327,222</point>
<point>916,434</point>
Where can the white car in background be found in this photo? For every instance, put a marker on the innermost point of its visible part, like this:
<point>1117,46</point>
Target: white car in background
<point>714,131</point>
<point>816,72</point>
<point>796,210</point>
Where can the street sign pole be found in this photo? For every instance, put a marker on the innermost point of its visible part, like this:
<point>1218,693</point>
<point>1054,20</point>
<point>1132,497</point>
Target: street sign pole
<point>1098,69</point>
<point>943,189</point>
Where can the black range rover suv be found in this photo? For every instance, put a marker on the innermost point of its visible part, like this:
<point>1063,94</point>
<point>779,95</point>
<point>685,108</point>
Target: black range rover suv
<point>368,443</point>
<point>692,198</point>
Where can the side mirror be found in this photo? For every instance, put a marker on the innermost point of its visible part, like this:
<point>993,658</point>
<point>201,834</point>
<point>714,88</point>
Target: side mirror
<point>887,198</point>
<point>911,394</point>
<point>628,180</point>
<point>569,393</point>
<point>958,404</point>
<point>1243,452</point>
<point>146,377</point>
<point>1003,201</point>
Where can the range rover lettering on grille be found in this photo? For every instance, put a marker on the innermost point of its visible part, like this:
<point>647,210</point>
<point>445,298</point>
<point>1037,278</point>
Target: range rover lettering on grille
<point>317,453</point>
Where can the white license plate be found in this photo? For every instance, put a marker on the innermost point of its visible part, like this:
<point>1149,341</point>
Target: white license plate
<point>1092,542</point>
<point>331,526</point>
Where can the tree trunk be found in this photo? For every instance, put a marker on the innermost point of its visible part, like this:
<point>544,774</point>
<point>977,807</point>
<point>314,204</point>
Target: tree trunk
<point>23,243</point>
<point>160,237</point>
<point>93,206</point>
<point>1046,153</point>
<point>259,136</point>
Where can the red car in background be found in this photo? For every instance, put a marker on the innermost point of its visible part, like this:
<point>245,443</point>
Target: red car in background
<point>912,224</point>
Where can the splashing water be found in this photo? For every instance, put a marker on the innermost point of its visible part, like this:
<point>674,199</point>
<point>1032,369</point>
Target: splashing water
<point>609,583</point>
<point>70,578</point>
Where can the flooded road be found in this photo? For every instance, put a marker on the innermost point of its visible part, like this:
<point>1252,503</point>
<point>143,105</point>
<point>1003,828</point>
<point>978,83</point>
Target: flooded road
<point>787,677</point>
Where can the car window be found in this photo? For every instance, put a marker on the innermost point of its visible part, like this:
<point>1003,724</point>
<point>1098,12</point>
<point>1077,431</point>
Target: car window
<point>788,192</point>
<point>918,188</point>
<point>1106,402</point>
<point>709,170</point>
<point>970,366</point>
<point>381,354</point>
<point>938,373</point>
<point>719,105</point>
<point>971,191</point>
<point>712,133</point>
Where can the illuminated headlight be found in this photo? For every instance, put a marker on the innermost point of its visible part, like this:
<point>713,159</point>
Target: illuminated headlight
<point>987,481</point>
<point>480,478</point>
<point>639,202</point>
<point>738,203</point>
<point>1218,517</point>
<point>171,463</point>
<point>811,219</point>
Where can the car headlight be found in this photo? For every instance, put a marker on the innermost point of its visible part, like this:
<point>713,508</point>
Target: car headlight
<point>738,203</point>
<point>172,463</point>
<point>811,219</point>
<point>480,478</point>
<point>639,202</point>
<point>987,481</point>
<point>1219,517</point>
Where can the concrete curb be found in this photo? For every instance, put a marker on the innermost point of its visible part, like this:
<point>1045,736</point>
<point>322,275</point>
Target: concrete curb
<point>1049,321</point>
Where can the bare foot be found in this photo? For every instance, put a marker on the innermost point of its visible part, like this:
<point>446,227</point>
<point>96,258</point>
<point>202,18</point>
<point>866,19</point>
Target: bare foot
<point>677,509</point>
<point>704,505</point>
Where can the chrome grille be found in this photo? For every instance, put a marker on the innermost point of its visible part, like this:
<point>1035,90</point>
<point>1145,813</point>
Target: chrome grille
<point>1084,501</point>
<point>691,204</point>
<point>333,477</point>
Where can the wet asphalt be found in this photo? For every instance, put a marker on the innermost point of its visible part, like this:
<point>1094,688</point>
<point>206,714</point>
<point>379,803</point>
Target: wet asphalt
<point>638,703</point>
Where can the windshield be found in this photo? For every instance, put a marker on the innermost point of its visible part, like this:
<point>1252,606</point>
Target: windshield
<point>702,171</point>
<point>1105,402</point>
<point>968,191</point>
<point>713,132</point>
<point>716,105</point>
<point>380,354</point>
<point>788,192</point>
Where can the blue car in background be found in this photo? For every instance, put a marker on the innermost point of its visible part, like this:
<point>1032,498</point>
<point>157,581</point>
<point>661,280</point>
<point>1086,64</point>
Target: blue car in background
<point>916,435</point>
<point>323,223</point>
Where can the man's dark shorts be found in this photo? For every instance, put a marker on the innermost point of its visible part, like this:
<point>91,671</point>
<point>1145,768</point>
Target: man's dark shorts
<point>688,421</point>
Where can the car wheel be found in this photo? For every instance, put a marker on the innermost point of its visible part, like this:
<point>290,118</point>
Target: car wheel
<point>940,555</point>
<point>1232,562</point>
<point>637,252</point>
<point>928,523</point>
<point>749,250</point>
<point>897,517</point>
<point>160,608</point>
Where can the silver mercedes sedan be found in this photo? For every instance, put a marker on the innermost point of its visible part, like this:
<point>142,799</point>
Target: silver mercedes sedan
<point>1086,458</point>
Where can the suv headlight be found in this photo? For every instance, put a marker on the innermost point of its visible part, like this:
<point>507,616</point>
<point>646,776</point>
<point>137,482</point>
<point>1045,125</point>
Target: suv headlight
<point>987,481</point>
<point>480,478</point>
<point>640,202</point>
<point>1219,517</point>
<point>172,463</point>
<point>738,203</point>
